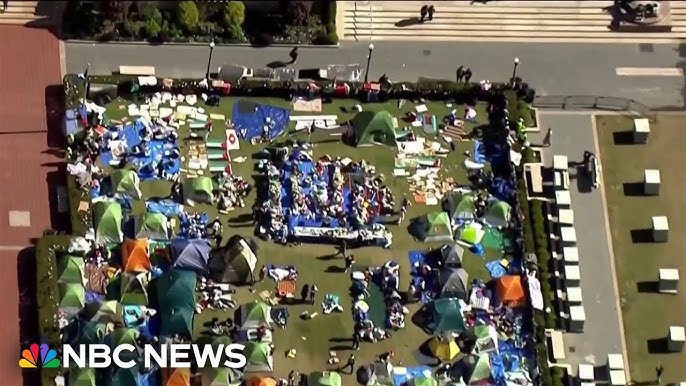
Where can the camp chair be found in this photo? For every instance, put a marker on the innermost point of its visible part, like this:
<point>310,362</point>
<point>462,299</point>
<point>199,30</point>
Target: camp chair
<point>331,303</point>
<point>216,154</point>
<point>219,166</point>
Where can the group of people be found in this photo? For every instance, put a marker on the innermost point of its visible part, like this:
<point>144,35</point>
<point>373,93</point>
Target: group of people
<point>427,13</point>
<point>232,192</point>
<point>215,296</point>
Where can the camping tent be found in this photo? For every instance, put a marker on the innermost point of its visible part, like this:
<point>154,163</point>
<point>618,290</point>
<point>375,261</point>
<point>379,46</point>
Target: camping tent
<point>126,181</point>
<point>190,254</point>
<point>486,338</point>
<point>259,358</point>
<point>233,263</point>
<point>443,347</point>
<point>465,209</point>
<point>176,292</point>
<point>134,288</point>
<point>498,214</point>
<point>422,380</point>
<point>150,225</point>
<point>134,255</point>
<point>260,381</point>
<point>479,369</point>
<point>222,376</point>
<point>70,269</point>
<point>254,315</point>
<point>126,377</point>
<point>103,312</point>
<point>472,234</point>
<point>121,336</point>
<point>435,226</point>
<point>448,255</point>
<point>72,295</point>
<point>107,218</point>
<point>198,190</point>
<point>176,377</point>
<point>324,378</point>
<point>92,333</point>
<point>81,377</point>
<point>376,373</point>
<point>446,316</point>
<point>510,291</point>
<point>369,127</point>
<point>453,283</point>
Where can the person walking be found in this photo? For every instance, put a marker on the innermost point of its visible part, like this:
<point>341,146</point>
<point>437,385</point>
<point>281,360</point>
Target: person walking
<point>356,341</point>
<point>294,55</point>
<point>349,363</point>
<point>659,369</point>
<point>467,75</point>
<point>313,293</point>
<point>263,273</point>
<point>548,137</point>
<point>349,261</point>
<point>387,356</point>
<point>423,12</point>
<point>342,248</point>
<point>304,292</point>
<point>431,10</point>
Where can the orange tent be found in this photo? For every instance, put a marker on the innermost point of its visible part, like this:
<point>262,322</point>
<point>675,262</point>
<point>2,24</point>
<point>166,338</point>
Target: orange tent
<point>510,291</point>
<point>176,377</point>
<point>260,381</point>
<point>134,254</point>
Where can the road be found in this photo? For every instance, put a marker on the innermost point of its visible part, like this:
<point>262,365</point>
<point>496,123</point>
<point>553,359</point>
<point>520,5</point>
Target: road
<point>552,69</point>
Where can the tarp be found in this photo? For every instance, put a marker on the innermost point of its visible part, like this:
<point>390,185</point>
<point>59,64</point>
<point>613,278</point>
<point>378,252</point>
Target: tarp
<point>176,377</point>
<point>510,291</point>
<point>261,381</point>
<point>134,288</point>
<point>70,269</point>
<point>126,181</point>
<point>103,312</point>
<point>250,118</point>
<point>134,254</point>
<point>446,316</point>
<point>198,190</point>
<point>254,315</point>
<point>81,377</point>
<point>259,358</point>
<point>190,254</point>
<point>371,127</point>
<point>153,226</point>
<point>453,283</point>
<point>443,347</point>
<point>465,209</point>
<point>498,214</point>
<point>222,376</point>
<point>176,292</point>
<point>234,263</point>
<point>72,295</point>
<point>107,219</point>
<point>324,378</point>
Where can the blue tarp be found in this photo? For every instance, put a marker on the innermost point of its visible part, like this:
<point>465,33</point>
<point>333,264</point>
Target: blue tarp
<point>495,269</point>
<point>166,207</point>
<point>190,254</point>
<point>249,125</point>
<point>412,372</point>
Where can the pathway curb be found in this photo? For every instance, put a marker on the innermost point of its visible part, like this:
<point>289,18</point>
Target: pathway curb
<point>198,44</point>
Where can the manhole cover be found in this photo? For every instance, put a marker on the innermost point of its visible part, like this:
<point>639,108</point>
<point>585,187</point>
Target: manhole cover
<point>572,349</point>
<point>646,47</point>
<point>427,52</point>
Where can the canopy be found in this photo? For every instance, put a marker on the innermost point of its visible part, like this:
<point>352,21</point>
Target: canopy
<point>190,254</point>
<point>259,358</point>
<point>435,226</point>
<point>70,269</point>
<point>222,376</point>
<point>472,234</point>
<point>254,315</point>
<point>446,316</point>
<point>443,347</point>
<point>103,312</point>
<point>466,209</point>
<point>198,190</point>
<point>81,377</point>
<point>176,291</point>
<point>448,255</point>
<point>422,380</point>
<point>92,333</point>
<point>260,381</point>
<point>72,295</point>
<point>152,225</point>
<point>234,263</point>
<point>127,182</point>
<point>324,378</point>
<point>510,291</point>
<point>371,127</point>
<point>453,283</point>
<point>176,377</point>
<point>498,214</point>
<point>134,288</point>
<point>107,218</point>
<point>134,254</point>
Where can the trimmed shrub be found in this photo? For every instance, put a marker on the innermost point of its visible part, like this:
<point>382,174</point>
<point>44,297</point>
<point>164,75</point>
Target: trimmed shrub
<point>234,17</point>
<point>188,16</point>
<point>152,29</point>
<point>297,12</point>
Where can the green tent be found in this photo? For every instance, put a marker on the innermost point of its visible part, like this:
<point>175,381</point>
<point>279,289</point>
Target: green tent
<point>92,333</point>
<point>107,222</point>
<point>480,368</point>
<point>70,269</point>
<point>220,340</point>
<point>254,315</point>
<point>371,127</point>
<point>81,377</point>
<point>446,316</point>
<point>438,227</point>
<point>486,338</point>
<point>125,377</point>
<point>498,214</point>
<point>176,291</point>
<point>222,376</point>
<point>198,190</point>
<point>72,295</point>
<point>324,378</point>
<point>465,209</point>
<point>472,234</point>
<point>103,312</point>
<point>259,357</point>
<point>154,226</point>
<point>126,181</point>
<point>121,336</point>
<point>134,288</point>
<point>422,380</point>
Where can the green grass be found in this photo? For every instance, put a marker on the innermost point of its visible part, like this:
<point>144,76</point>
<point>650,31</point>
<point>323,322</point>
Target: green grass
<point>314,338</point>
<point>646,316</point>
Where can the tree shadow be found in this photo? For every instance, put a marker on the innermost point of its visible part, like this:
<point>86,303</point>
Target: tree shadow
<point>54,113</point>
<point>641,236</point>
<point>408,22</point>
<point>55,179</point>
<point>633,189</point>
<point>648,287</point>
<point>27,306</point>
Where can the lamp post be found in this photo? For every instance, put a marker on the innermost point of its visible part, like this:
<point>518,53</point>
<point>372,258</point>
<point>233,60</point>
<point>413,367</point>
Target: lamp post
<point>369,60</point>
<point>514,69</point>
<point>209,60</point>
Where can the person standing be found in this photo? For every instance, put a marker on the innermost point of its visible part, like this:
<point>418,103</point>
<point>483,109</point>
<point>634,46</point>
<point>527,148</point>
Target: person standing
<point>313,293</point>
<point>349,261</point>
<point>403,209</point>
<point>356,341</point>
<point>304,292</point>
<point>459,74</point>
<point>423,12</point>
<point>659,369</point>
<point>548,137</point>
<point>263,273</point>
<point>467,75</point>
<point>431,11</point>
<point>350,363</point>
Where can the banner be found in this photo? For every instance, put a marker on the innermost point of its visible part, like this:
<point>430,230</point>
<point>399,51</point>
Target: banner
<point>232,140</point>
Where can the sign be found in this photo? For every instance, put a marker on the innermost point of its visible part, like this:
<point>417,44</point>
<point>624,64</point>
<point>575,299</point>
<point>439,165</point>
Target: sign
<point>337,233</point>
<point>232,140</point>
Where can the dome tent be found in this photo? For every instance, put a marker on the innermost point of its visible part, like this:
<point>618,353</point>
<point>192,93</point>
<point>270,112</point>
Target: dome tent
<point>234,263</point>
<point>198,190</point>
<point>126,181</point>
<point>70,269</point>
<point>153,226</point>
<point>324,378</point>
<point>498,214</point>
<point>453,283</point>
<point>107,220</point>
<point>434,226</point>
<point>510,291</point>
<point>369,127</point>
<point>134,288</point>
<point>466,208</point>
<point>259,357</point>
<point>255,314</point>
<point>222,376</point>
<point>448,255</point>
<point>134,255</point>
<point>446,316</point>
<point>190,254</point>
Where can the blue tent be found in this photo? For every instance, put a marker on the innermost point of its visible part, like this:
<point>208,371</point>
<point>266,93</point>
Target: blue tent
<point>250,118</point>
<point>191,254</point>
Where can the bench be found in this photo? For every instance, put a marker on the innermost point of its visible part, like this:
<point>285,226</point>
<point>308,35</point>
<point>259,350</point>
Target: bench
<point>136,70</point>
<point>561,180</point>
<point>303,122</point>
<point>556,344</point>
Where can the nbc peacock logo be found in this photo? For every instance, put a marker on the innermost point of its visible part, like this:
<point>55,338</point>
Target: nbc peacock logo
<point>39,356</point>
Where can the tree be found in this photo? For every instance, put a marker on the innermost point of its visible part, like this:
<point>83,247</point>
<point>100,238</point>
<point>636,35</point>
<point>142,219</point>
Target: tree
<point>152,29</point>
<point>297,12</point>
<point>116,11</point>
<point>188,16</point>
<point>234,16</point>
<point>149,11</point>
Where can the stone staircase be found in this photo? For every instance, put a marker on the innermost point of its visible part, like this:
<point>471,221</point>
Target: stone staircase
<point>31,13</point>
<point>500,21</point>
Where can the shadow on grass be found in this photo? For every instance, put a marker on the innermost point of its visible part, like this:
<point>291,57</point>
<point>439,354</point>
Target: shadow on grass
<point>657,346</point>
<point>334,269</point>
<point>408,22</point>
<point>647,287</point>
<point>633,189</point>
<point>623,138</point>
<point>641,236</point>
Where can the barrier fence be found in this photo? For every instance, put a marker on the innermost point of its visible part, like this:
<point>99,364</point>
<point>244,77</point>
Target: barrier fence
<point>573,102</point>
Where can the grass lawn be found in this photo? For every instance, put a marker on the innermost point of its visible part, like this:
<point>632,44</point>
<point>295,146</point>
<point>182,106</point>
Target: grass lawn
<point>314,338</point>
<point>647,315</point>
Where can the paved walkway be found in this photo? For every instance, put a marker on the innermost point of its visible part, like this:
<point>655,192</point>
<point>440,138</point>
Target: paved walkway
<point>572,134</point>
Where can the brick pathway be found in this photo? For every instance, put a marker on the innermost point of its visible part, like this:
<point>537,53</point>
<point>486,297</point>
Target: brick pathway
<point>29,66</point>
